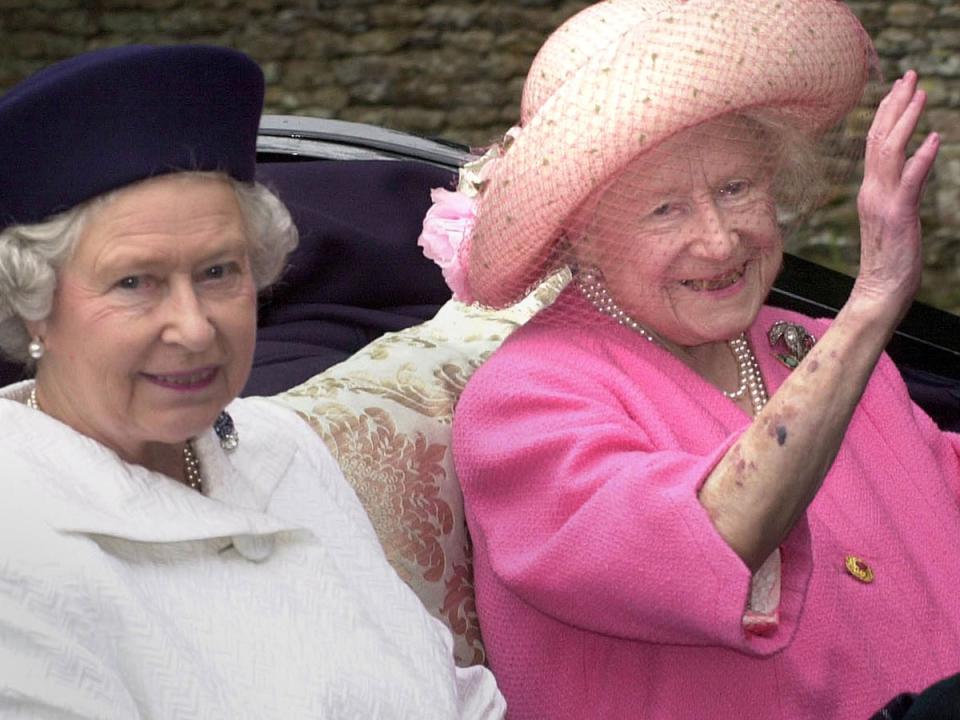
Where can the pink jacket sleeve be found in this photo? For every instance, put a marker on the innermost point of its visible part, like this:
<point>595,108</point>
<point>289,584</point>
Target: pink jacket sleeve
<point>582,497</point>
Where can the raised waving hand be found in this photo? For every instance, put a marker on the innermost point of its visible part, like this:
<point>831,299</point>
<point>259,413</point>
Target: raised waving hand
<point>889,200</point>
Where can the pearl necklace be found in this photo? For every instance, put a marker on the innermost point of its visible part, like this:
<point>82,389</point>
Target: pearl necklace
<point>191,467</point>
<point>751,381</point>
<point>748,370</point>
<point>191,463</point>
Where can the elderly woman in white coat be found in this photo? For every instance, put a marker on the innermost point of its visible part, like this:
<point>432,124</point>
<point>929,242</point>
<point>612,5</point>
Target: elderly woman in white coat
<point>167,551</point>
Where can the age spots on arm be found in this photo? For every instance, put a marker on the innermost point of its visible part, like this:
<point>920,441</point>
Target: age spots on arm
<point>781,435</point>
<point>741,469</point>
<point>777,425</point>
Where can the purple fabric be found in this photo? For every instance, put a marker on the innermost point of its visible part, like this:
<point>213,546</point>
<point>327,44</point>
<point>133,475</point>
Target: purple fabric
<point>939,396</point>
<point>358,271</point>
<point>104,119</point>
<point>11,372</point>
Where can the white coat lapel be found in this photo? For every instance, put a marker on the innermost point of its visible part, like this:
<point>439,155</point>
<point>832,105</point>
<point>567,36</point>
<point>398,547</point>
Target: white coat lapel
<point>80,486</point>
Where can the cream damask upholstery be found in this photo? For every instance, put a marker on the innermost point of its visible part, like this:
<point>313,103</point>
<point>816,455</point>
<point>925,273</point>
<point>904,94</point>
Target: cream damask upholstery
<point>385,413</point>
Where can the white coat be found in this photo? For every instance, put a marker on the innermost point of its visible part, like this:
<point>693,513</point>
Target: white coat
<point>124,594</point>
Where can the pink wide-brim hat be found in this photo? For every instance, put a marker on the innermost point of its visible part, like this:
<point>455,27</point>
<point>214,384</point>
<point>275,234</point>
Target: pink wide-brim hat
<point>621,77</point>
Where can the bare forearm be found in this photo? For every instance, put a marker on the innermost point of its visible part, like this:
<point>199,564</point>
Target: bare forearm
<point>768,478</point>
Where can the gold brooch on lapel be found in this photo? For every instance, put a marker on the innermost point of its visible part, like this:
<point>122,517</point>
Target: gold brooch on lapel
<point>795,338</point>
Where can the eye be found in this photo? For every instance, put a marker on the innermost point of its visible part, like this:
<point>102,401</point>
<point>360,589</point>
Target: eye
<point>220,271</point>
<point>664,210</point>
<point>735,189</point>
<point>214,272</point>
<point>131,282</point>
<point>138,284</point>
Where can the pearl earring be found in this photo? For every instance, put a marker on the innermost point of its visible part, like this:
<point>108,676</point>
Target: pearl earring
<point>36,349</point>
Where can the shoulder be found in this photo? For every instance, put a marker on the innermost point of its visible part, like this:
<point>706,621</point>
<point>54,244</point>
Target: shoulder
<point>311,475</point>
<point>552,346</point>
<point>33,449</point>
<point>270,429</point>
<point>34,551</point>
<point>267,424</point>
<point>19,483</point>
<point>263,413</point>
<point>537,360</point>
<point>575,352</point>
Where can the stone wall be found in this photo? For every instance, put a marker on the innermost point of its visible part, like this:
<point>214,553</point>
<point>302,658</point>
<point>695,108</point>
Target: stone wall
<point>455,68</point>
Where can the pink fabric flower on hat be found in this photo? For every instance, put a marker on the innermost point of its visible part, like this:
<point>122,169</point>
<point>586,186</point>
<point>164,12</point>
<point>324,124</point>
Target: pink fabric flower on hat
<point>446,237</point>
<point>449,221</point>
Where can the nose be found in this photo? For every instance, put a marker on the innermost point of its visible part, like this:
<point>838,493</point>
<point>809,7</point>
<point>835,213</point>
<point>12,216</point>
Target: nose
<point>714,237</point>
<point>186,322</point>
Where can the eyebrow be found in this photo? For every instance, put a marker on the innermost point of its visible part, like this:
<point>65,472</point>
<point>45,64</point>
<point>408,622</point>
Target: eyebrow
<point>150,258</point>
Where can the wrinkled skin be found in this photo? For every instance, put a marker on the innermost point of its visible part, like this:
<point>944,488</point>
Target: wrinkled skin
<point>154,320</point>
<point>765,482</point>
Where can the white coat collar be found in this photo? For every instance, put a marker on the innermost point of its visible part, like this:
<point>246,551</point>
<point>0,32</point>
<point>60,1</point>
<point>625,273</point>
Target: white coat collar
<point>81,486</point>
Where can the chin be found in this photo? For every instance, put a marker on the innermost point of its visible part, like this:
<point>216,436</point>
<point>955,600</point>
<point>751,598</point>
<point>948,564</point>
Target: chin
<point>722,329</point>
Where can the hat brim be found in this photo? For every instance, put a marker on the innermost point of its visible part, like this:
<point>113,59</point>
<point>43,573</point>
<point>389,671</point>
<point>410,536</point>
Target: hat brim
<point>806,60</point>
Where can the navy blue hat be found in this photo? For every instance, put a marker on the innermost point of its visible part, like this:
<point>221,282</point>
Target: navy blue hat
<point>107,118</point>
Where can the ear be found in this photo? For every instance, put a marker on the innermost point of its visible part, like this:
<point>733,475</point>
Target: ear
<point>36,328</point>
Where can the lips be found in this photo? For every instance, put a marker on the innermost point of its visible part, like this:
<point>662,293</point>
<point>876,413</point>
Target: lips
<point>718,282</point>
<point>191,380</point>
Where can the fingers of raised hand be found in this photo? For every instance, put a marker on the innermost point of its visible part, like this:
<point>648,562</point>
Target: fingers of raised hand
<point>896,120</point>
<point>889,174</point>
<point>892,106</point>
<point>895,194</point>
<point>918,167</point>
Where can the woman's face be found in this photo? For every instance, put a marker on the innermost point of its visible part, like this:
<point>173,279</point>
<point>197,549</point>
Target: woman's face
<point>154,317</point>
<point>687,237</point>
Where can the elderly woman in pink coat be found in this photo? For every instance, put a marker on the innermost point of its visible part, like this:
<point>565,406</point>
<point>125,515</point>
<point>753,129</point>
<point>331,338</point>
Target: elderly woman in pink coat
<point>685,503</point>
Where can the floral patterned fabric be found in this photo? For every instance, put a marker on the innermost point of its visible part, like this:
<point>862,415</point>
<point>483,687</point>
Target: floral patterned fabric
<point>385,413</point>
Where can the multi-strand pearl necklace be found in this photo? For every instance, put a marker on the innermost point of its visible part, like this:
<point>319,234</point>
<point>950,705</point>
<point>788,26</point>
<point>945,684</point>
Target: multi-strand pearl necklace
<point>748,370</point>
<point>191,463</point>
<point>751,381</point>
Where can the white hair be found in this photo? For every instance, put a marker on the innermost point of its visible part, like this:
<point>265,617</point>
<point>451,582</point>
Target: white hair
<point>31,255</point>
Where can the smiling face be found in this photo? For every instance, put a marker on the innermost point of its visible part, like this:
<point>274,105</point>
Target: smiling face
<point>154,317</point>
<point>686,237</point>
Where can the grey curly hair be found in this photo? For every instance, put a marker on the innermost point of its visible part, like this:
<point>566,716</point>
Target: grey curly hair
<point>31,255</point>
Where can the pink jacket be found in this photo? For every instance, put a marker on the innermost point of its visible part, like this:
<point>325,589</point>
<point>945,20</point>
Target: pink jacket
<point>604,590</point>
